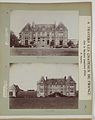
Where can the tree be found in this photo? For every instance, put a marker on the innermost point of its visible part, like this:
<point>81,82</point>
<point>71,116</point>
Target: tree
<point>32,43</point>
<point>14,41</point>
<point>52,43</point>
<point>70,43</point>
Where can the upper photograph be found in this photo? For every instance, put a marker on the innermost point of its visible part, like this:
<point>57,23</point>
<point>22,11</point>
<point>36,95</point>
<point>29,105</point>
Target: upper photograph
<point>44,33</point>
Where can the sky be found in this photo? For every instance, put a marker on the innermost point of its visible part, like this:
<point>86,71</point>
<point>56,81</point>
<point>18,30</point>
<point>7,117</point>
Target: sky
<point>19,18</point>
<point>27,75</point>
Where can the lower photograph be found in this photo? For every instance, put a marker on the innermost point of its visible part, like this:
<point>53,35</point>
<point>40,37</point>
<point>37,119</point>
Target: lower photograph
<point>43,86</point>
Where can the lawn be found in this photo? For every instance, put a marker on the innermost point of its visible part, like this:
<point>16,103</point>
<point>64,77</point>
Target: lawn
<point>44,51</point>
<point>44,103</point>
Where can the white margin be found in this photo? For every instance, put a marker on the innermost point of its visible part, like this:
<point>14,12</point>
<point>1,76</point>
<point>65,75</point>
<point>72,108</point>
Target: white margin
<point>43,1</point>
<point>93,56</point>
<point>45,117</point>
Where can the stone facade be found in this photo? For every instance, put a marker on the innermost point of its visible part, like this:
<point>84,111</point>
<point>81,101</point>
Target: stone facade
<point>61,86</point>
<point>44,35</point>
<point>13,90</point>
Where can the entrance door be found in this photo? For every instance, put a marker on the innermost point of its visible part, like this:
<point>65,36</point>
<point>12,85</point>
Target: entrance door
<point>26,42</point>
<point>61,42</point>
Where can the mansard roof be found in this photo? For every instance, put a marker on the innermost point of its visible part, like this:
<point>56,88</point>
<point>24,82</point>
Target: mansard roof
<point>27,28</point>
<point>70,80</point>
<point>61,27</point>
<point>62,81</point>
<point>14,87</point>
<point>42,79</point>
<point>44,27</point>
<point>56,81</point>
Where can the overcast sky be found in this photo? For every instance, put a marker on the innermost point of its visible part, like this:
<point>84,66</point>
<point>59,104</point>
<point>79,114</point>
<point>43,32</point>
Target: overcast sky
<point>19,18</point>
<point>27,75</point>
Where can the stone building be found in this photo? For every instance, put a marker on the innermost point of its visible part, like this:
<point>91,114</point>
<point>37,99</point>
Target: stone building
<point>27,94</point>
<point>25,35</point>
<point>58,87</point>
<point>14,90</point>
<point>44,35</point>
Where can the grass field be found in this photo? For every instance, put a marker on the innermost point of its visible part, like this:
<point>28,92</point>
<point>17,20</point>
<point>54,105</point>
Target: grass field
<point>44,103</point>
<point>44,51</point>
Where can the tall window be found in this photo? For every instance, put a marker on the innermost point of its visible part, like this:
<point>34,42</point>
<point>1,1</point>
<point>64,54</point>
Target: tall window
<point>61,42</point>
<point>26,42</point>
<point>41,90</point>
<point>38,38</point>
<point>11,93</point>
<point>47,42</point>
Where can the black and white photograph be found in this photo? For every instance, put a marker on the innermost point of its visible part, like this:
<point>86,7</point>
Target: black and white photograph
<point>43,86</point>
<point>44,33</point>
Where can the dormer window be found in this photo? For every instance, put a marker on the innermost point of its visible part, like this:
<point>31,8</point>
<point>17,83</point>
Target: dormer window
<point>61,28</point>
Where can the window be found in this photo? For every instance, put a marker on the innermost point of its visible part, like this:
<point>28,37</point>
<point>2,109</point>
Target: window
<point>26,37</point>
<point>47,34</point>
<point>41,84</point>
<point>47,42</point>
<point>61,89</point>
<point>52,34</point>
<point>11,93</point>
<point>26,42</point>
<point>61,42</point>
<point>41,90</point>
<point>71,91</point>
<point>71,84</point>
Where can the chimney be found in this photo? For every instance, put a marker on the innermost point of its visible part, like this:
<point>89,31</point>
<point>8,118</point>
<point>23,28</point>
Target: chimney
<point>46,78</point>
<point>65,77</point>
